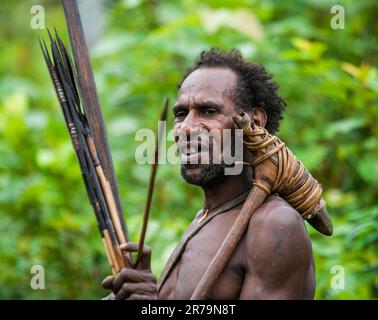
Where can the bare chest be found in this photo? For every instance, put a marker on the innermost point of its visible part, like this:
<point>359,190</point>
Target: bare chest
<point>196,257</point>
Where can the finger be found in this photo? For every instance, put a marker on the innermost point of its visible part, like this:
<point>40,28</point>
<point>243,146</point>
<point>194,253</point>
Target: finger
<point>145,258</point>
<point>129,247</point>
<point>131,275</point>
<point>129,289</point>
<point>107,283</point>
<point>134,247</point>
<point>144,262</point>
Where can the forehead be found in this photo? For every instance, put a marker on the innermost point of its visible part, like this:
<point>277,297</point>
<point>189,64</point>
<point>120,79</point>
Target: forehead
<point>208,84</point>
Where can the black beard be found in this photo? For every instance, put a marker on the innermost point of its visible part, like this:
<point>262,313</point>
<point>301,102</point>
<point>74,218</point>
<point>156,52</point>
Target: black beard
<point>210,174</point>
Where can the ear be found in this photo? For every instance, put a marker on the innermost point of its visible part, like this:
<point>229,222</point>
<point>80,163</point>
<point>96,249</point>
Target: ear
<point>258,116</point>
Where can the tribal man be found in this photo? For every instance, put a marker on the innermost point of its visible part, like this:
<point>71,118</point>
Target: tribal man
<point>273,259</point>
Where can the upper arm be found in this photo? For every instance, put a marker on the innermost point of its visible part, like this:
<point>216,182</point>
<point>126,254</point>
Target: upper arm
<point>279,254</point>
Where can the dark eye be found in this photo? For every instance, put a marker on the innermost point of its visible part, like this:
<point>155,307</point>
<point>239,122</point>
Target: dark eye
<point>180,114</point>
<point>209,111</point>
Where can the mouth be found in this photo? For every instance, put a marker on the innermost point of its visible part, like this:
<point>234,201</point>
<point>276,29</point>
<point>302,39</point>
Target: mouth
<point>193,152</point>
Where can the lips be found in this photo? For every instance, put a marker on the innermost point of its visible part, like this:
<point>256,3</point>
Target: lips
<point>193,152</point>
<point>194,158</point>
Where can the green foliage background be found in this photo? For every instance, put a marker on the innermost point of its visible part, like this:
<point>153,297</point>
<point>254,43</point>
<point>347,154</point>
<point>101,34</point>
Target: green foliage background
<point>328,78</point>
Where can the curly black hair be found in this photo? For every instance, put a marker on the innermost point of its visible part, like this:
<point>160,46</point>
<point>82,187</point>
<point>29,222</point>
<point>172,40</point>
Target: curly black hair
<point>255,87</point>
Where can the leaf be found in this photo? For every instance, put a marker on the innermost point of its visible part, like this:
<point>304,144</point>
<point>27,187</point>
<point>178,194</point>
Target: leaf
<point>368,168</point>
<point>345,126</point>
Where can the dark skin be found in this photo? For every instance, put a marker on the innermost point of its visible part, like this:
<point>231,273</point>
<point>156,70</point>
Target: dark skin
<point>274,258</point>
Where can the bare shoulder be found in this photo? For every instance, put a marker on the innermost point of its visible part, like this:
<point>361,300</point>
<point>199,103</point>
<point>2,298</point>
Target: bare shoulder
<point>277,213</point>
<point>277,234</point>
<point>278,254</point>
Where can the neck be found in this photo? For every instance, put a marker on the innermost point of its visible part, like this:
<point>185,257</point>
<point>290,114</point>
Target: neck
<point>228,189</point>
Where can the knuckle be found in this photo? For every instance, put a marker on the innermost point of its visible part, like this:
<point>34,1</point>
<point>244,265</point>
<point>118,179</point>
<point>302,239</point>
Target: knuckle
<point>150,277</point>
<point>122,293</point>
<point>122,271</point>
<point>122,274</point>
<point>152,287</point>
<point>147,275</point>
<point>125,287</point>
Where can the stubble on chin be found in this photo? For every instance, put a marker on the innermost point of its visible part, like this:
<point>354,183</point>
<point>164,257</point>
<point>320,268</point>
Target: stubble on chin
<point>202,175</point>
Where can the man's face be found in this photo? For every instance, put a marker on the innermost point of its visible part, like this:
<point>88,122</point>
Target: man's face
<point>204,104</point>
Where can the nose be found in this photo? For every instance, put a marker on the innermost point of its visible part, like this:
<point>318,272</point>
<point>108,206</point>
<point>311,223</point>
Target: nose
<point>190,125</point>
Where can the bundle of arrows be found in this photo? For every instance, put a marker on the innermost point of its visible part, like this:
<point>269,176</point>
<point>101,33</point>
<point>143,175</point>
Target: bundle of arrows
<point>76,92</point>
<point>97,186</point>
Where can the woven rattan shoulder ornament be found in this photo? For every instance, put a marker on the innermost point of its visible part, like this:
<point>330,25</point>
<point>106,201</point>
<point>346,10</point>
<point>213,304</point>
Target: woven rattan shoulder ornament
<point>277,170</point>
